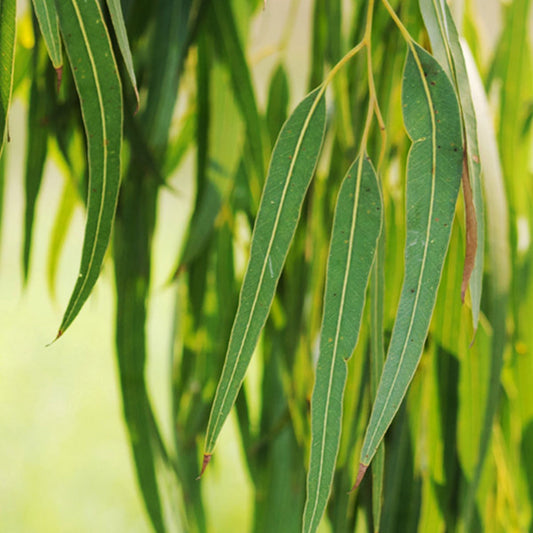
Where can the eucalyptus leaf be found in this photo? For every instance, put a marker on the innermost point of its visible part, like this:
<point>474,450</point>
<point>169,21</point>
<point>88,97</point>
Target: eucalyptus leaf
<point>8,10</point>
<point>293,163</point>
<point>434,168</point>
<point>46,14</point>
<point>95,73</point>
<point>447,50</point>
<point>356,229</point>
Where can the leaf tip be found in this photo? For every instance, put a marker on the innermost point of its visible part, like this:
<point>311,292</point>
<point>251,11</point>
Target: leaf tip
<point>59,333</point>
<point>137,100</point>
<point>360,475</point>
<point>205,462</point>
<point>59,75</point>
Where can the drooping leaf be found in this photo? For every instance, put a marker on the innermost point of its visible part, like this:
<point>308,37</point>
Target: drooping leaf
<point>293,162</point>
<point>95,73</point>
<point>447,50</point>
<point>7,54</point>
<point>117,18</point>
<point>499,255</point>
<point>432,120</point>
<point>36,149</point>
<point>63,217</point>
<point>226,34</point>
<point>377,358</point>
<point>471,237</point>
<point>225,139</point>
<point>131,245</point>
<point>278,100</point>
<point>356,228</point>
<point>170,42</point>
<point>46,14</point>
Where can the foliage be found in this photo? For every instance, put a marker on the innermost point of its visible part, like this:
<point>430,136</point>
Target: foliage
<point>355,238</point>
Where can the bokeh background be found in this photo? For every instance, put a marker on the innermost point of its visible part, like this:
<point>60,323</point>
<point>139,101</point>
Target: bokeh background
<point>65,464</point>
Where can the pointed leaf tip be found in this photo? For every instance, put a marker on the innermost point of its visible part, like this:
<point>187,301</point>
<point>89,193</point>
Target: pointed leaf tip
<point>205,462</point>
<point>360,475</point>
<point>59,76</point>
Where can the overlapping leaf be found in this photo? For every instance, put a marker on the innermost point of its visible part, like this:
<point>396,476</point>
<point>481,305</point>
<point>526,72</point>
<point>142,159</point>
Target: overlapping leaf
<point>95,73</point>
<point>46,14</point>
<point>356,228</point>
<point>434,167</point>
<point>447,50</point>
<point>292,166</point>
<point>117,18</point>
<point>7,54</point>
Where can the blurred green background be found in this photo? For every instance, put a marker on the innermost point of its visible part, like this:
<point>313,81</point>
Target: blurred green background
<point>65,462</point>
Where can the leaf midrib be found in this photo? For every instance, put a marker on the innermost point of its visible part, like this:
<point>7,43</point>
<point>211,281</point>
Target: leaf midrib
<point>66,320</point>
<point>337,332</point>
<point>428,232</point>
<point>263,268</point>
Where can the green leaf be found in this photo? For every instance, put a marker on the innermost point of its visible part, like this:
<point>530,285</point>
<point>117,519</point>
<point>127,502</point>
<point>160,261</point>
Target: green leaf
<point>356,229</point>
<point>293,162</point>
<point>377,358</point>
<point>117,18</point>
<point>63,218</point>
<point>7,53</point>
<point>227,36</point>
<point>447,50</point>
<point>36,150</point>
<point>499,254</point>
<point>95,73</point>
<point>278,101</point>
<point>432,120</point>
<point>45,11</point>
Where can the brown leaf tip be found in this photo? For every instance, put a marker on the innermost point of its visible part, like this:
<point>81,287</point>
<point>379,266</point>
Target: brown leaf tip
<point>205,462</point>
<point>360,476</point>
<point>59,74</point>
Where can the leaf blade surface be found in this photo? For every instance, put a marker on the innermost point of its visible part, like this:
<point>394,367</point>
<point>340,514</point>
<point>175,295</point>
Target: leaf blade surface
<point>431,117</point>
<point>293,162</point>
<point>356,229</point>
<point>95,73</point>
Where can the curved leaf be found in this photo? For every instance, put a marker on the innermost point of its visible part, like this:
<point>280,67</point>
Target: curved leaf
<point>117,19</point>
<point>293,163</point>
<point>95,73</point>
<point>432,120</point>
<point>46,14</point>
<point>447,50</point>
<point>8,10</point>
<point>356,229</point>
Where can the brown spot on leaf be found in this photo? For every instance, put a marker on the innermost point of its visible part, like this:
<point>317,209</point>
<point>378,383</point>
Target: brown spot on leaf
<point>471,230</point>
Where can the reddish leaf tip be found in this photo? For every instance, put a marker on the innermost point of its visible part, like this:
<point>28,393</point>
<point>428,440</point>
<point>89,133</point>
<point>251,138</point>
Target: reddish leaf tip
<point>59,333</point>
<point>360,475</point>
<point>59,74</point>
<point>205,462</point>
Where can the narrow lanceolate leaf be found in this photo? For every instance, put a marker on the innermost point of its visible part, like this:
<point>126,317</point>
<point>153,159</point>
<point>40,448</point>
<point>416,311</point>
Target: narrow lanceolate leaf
<point>356,229</point>
<point>7,49</point>
<point>95,73</point>
<point>117,18</point>
<point>447,50</point>
<point>499,254</point>
<point>46,14</point>
<point>293,163</point>
<point>432,120</point>
<point>36,149</point>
